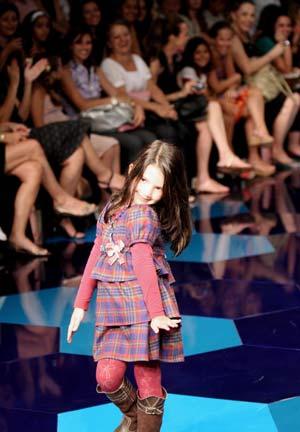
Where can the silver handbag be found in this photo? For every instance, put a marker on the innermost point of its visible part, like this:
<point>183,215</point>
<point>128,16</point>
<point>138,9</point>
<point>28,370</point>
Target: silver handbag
<point>109,118</point>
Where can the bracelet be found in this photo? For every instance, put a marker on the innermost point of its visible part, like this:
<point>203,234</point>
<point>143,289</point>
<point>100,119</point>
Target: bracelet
<point>114,101</point>
<point>2,137</point>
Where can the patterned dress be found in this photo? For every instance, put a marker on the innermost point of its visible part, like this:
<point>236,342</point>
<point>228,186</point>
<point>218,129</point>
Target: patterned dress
<point>122,321</point>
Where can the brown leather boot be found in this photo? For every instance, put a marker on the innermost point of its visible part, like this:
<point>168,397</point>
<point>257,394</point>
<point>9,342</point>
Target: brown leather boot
<point>125,399</point>
<point>150,413</point>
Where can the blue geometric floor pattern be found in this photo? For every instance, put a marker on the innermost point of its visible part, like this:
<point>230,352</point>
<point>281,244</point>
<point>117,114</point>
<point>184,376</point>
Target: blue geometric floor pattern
<point>237,286</point>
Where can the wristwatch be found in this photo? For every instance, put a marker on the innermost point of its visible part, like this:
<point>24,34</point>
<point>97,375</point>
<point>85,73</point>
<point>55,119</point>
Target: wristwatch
<point>114,101</point>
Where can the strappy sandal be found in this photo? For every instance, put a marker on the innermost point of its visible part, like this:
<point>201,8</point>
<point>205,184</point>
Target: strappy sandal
<point>108,185</point>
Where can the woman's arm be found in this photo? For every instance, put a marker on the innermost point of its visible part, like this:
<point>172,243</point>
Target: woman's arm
<point>37,105</point>
<point>31,73</point>
<point>6,109</point>
<point>284,63</point>
<point>249,65</point>
<point>219,86</point>
<point>73,94</point>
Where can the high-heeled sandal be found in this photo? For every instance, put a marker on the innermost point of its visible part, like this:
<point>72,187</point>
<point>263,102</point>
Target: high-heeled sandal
<point>108,185</point>
<point>39,252</point>
<point>88,210</point>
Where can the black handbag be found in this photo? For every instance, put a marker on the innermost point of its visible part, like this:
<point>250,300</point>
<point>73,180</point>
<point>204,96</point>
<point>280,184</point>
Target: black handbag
<point>192,108</point>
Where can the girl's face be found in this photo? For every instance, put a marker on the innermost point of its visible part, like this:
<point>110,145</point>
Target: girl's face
<point>182,38</point>
<point>120,39</point>
<point>8,24</point>
<point>91,14</point>
<point>244,17</point>
<point>201,56</point>
<point>41,29</point>
<point>81,48</point>
<point>223,41</point>
<point>149,189</point>
<point>283,26</point>
<point>130,10</point>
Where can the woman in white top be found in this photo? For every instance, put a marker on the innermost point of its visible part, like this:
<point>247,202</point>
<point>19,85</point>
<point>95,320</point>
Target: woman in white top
<point>128,72</point>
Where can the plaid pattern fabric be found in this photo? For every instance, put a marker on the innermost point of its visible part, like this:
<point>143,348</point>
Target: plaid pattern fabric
<point>137,343</point>
<point>122,320</point>
<point>138,223</point>
<point>122,303</point>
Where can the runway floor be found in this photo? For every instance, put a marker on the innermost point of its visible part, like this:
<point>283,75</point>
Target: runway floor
<point>237,286</point>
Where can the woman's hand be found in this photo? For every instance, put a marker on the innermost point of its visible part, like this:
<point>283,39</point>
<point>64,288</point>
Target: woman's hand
<point>15,137</point>
<point>188,88</point>
<point>31,73</point>
<point>76,318</point>
<point>164,323</point>
<point>13,45</point>
<point>139,116</point>
<point>166,111</point>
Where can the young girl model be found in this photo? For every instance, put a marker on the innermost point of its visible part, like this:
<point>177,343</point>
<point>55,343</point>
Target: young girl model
<point>137,318</point>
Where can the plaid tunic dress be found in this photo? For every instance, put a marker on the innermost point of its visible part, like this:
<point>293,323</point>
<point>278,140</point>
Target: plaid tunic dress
<point>122,328</point>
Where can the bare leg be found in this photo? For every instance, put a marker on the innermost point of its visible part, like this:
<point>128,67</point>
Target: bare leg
<point>203,148</point>
<point>105,176</point>
<point>260,167</point>
<point>294,141</point>
<point>31,150</point>
<point>30,174</point>
<point>217,128</point>
<point>256,108</point>
<point>283,122</point>
<point>229,127</point>
<point>69,179</point>
<point>111,158</point>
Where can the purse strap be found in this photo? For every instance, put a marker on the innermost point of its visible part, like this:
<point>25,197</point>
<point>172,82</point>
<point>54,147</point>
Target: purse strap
<point>282,84</point>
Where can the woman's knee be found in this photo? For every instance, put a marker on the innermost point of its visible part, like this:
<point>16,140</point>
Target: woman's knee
<point>30,171</point>
<point>76,159</point>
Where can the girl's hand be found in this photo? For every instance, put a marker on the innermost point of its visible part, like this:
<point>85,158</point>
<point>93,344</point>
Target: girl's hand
<point>33,72</point>
<point>164,323</point>
<point>188,87</point>
<point>76,318</point>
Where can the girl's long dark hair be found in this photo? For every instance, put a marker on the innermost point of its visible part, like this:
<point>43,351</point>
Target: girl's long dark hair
<point>173,209</point>
<point>74,34</point>
<point>188,55</point>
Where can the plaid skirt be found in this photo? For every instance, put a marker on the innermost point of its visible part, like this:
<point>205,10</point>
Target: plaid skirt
<point>137,342</point>
<point>122,329</point>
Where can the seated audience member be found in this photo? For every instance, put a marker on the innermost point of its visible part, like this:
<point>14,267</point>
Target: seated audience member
<point>37,34</point>
<point>169,39</point>
<point>65,143</point>
<point>128,10</point>
<point>237,100</point>
<point>25,159</point>
<point>276,26</point>
<point>87,14</point>
<point>83,84</point>
<point>192,14</point>
<point>129,74</point>
<point>281,111</point>
<point>214,11</point>
<point>10,39</point>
